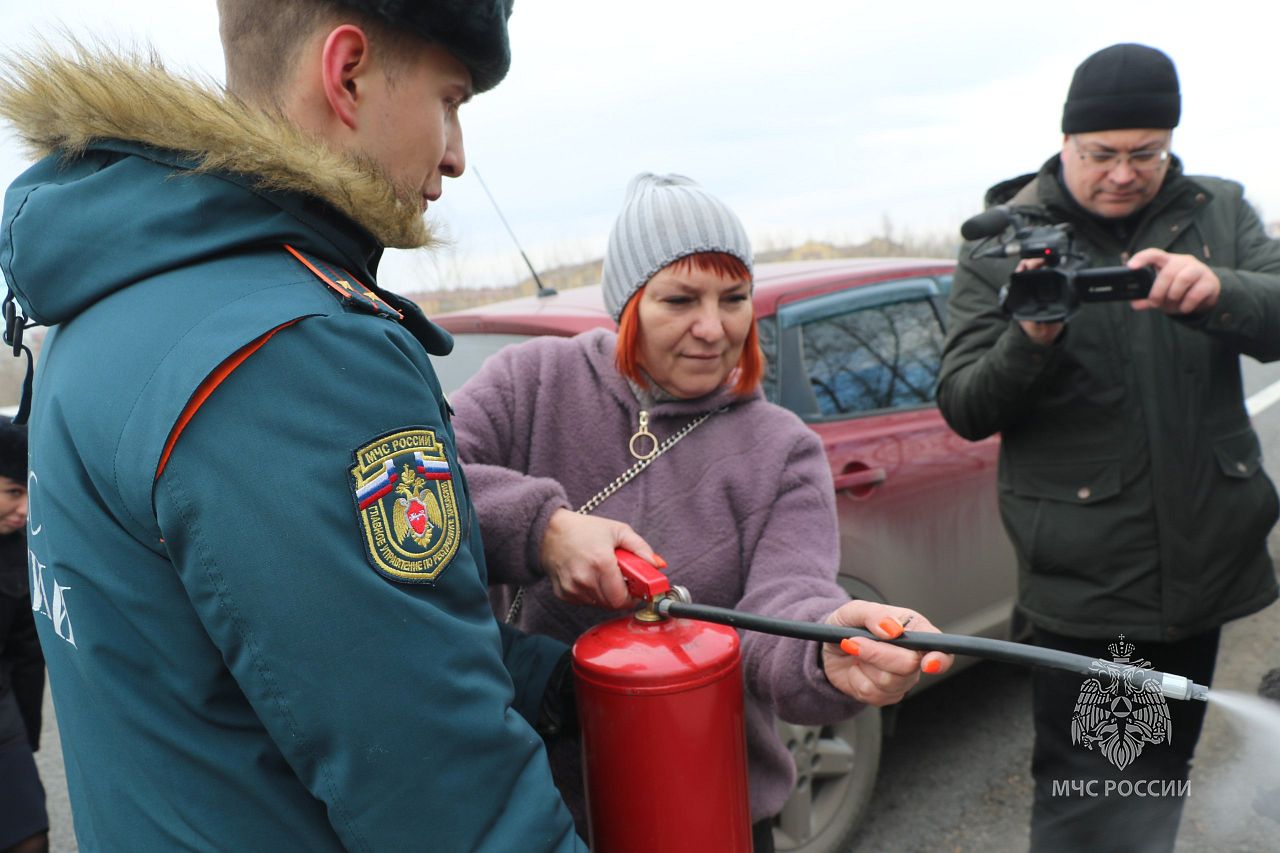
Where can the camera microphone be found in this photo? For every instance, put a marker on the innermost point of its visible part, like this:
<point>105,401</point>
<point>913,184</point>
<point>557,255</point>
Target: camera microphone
<point>989,223</point>
<point>1000,250</point>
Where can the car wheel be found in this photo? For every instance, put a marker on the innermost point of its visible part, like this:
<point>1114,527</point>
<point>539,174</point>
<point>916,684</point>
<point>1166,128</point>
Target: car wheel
<point>836,769</point>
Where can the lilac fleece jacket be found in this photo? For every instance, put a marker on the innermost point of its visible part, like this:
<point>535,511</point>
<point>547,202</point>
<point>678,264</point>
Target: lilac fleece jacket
<point>742,509</point>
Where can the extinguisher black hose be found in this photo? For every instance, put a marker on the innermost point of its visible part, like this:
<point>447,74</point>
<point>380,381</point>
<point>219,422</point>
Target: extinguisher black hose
<point>983,647</point>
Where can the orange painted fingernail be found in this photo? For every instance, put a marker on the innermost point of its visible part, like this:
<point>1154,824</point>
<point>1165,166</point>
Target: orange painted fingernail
<point>659,562</point>
<point>932,666</point>
<point>891,627</point>
<point>849,647</point>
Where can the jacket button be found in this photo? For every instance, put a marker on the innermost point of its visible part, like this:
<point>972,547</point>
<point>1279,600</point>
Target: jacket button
<point>1084,493</point>
<point>1241,467</point>
<point>1172,633</point>
<point>1224,319</point>
<point>1173,228</point>
<point>1200,198</point>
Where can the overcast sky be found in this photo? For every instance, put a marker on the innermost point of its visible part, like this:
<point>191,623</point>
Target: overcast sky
<point>812,118</point>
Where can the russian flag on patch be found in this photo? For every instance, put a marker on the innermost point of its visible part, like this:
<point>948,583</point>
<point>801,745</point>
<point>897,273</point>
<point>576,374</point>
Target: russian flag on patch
<point>433,469</point>
<point>379,487</point>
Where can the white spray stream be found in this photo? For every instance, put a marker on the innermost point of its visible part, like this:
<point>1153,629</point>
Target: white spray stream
<point>1246,793</point>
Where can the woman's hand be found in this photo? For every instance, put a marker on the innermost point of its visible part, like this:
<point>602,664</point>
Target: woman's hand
<point>878,673</point>
<point>577,557</point>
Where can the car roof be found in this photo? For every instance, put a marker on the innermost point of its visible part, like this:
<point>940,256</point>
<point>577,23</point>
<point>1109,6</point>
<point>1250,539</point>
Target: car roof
<point>582,308</point>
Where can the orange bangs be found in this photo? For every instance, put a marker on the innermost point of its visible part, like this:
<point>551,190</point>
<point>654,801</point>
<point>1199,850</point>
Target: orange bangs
<point>750,365</point>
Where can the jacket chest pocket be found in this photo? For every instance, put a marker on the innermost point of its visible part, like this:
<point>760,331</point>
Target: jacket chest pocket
<point>1185,237</point>
<point>1239,454</point>
<point>1073,482</point>
<point>1241,504</point>
<point>1065,515</point>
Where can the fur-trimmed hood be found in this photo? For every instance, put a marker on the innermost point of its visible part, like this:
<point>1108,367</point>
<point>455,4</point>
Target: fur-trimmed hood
<point>143,173</point>
<point>65,103</point>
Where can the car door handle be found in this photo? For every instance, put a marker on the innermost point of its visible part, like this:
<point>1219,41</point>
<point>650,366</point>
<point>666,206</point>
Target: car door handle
<point>863,478</point>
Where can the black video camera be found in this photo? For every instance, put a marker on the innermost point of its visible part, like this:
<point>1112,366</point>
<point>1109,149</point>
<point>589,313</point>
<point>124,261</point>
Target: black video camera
<point>1054,292</point>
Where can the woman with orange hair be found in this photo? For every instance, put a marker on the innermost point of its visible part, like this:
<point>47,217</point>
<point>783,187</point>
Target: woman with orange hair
<point>734,491</point>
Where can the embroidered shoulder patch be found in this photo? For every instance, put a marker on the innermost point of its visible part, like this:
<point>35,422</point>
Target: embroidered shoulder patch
<point>404,494</point>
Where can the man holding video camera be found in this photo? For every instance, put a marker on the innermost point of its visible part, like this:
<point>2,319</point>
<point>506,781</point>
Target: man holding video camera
<point>1130,481</point>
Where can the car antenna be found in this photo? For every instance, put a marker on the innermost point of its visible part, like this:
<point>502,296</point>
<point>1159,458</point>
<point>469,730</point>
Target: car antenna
<point>543,290</point>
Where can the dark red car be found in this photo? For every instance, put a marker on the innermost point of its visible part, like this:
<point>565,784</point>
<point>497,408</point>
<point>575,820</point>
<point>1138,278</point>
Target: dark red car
<point>853,347</point>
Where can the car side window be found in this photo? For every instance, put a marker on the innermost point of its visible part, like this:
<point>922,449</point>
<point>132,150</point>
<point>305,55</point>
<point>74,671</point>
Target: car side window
<point>867,349</point>
<point>884,357</point>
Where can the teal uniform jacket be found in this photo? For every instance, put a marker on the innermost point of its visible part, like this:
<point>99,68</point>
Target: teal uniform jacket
<point>258,578</point>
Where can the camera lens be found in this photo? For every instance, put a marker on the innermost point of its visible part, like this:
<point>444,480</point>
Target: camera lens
<point>1046,290</point>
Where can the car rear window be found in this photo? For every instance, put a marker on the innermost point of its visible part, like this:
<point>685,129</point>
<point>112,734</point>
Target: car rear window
<point>469,352</point>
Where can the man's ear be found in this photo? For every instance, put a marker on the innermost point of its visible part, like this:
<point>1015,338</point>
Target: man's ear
<point>344,62</point>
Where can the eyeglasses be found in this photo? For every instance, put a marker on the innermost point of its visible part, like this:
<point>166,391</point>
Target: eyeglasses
<point>1146,160</point>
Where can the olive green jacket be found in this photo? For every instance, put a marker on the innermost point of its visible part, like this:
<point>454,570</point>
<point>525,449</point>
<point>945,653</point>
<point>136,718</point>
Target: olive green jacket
<point>1131,481</point>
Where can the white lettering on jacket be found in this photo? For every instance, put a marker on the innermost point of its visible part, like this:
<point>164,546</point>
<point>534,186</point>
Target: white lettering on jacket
<point>54,607</point>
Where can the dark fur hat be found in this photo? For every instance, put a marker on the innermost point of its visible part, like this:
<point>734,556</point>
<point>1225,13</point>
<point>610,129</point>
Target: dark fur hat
<point>475,31</point>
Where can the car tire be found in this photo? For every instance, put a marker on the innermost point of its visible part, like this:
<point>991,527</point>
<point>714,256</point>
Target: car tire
<point>836,769</point>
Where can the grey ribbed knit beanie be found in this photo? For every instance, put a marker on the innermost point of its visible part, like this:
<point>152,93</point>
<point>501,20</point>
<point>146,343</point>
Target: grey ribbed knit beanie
<point>665,218</point>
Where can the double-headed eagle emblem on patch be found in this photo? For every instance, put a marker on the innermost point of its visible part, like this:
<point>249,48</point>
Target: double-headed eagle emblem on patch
<point>1121,711</point>
<point>403,488</point>
<point>417,512</point>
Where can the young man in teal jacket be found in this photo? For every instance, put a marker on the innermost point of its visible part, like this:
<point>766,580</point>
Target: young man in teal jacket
<point>256,570</point>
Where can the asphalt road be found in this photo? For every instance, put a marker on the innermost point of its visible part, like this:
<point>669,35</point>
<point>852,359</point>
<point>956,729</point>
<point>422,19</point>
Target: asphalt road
<point>955,772</point>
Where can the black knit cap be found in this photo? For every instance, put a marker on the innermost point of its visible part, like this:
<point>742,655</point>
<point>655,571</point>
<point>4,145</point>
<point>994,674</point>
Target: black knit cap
<point>13,450</point>
<point>474,31</point>
<point>1122,87</point>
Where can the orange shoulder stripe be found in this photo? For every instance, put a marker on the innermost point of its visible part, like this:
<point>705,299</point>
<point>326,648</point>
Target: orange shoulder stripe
<point>343,286</point>
<point>306,263</point>
<point>212,381</point>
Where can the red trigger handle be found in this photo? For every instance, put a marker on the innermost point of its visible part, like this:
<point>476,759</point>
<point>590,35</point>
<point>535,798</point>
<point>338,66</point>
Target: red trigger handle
<point>643,579</point>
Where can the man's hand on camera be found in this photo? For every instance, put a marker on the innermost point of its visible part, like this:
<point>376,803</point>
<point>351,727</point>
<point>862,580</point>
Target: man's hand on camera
<point>1184,284</point>
<point>1043,334</point>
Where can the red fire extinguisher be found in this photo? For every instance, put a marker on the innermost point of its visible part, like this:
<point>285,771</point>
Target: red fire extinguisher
<point>663,741</point>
